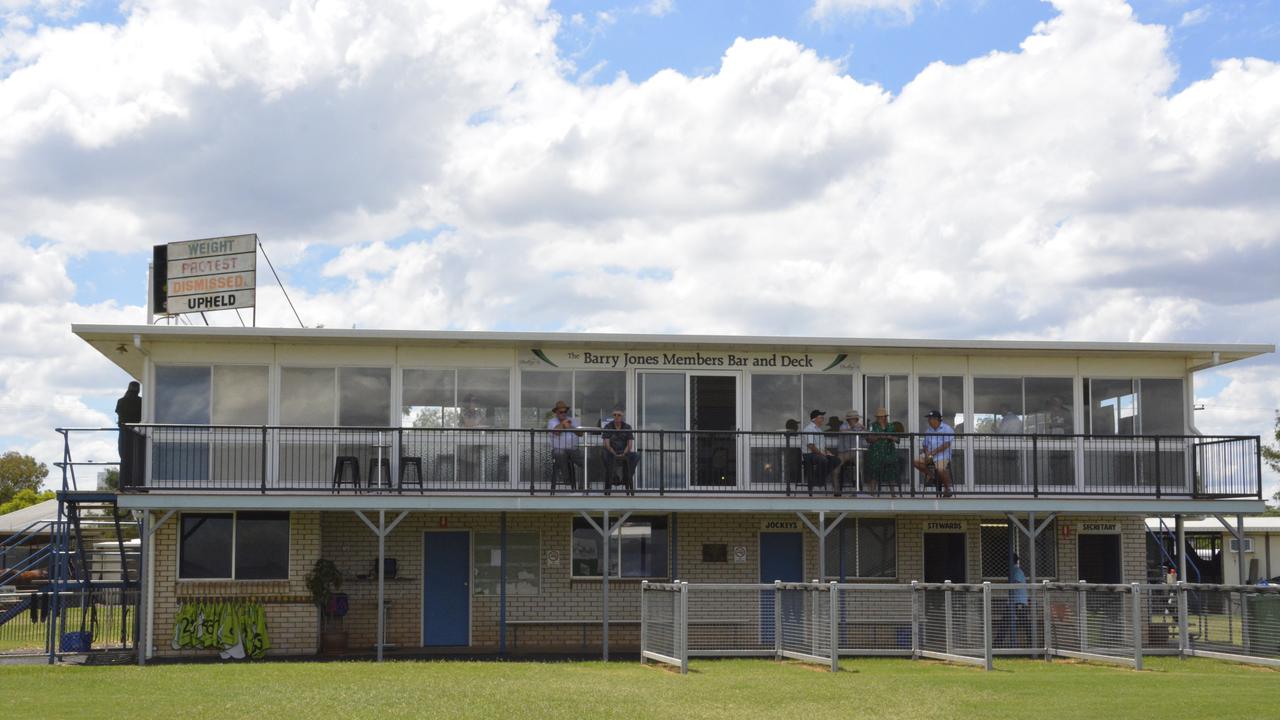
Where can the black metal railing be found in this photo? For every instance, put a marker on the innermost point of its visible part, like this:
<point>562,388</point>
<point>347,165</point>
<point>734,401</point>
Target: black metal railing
<point>534,461</point>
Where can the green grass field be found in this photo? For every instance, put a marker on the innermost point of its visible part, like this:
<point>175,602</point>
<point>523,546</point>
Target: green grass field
<point>746,689</point>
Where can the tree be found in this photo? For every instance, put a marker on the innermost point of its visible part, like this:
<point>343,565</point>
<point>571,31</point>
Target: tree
<point>26,497</point>
<point>18,472</point>
<point>1271,456</point>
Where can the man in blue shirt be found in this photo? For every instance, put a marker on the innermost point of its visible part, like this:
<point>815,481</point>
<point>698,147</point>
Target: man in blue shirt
<point>935,450</point>
<point>1020,610</point>
<point>564,445</point>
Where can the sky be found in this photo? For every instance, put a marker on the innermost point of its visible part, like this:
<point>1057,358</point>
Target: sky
<point>1074,170</point>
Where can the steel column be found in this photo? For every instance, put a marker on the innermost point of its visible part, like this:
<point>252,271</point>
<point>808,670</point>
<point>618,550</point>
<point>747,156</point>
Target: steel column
<point>1181,532</point>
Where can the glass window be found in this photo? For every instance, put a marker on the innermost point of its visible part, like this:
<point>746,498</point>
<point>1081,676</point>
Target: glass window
<point>240,395</point>
<point>364,397</point>
<point>997,405</point>
<point>1161,407</point>
<point>662,400</point>
<point>833,393</point>
<point>205,545</point>
<point>1113,407</point>
<point>429,398</point>
<point>523,565</point>
<point>307,396</point>
<point>863,548</point>
<point>255,544</point>
<point>1047,406</point>
<point>182,395</point>
<point>484,397</point>
<point>888,392</point>
<point>539,391</point>
<point>639,549</point>
<point>262,546</point>
<point>775,399</point>
<point>596,392</point>
<point>944,394</point>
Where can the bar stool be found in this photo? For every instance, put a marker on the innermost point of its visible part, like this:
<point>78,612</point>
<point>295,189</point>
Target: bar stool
<point>405,464</point>
<point>341,465</point>
<point>379,473</point>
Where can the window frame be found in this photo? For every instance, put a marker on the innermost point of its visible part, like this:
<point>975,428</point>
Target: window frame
<point>398,405</point>
<point>1136,383</point>
<point>475,564</point>
<point>392,389</point>
<point>616,551</point>
<point>235,529</point>
<point>856,576</point>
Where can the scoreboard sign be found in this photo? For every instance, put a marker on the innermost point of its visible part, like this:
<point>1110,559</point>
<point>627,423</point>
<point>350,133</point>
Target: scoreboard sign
<point>203,275</point>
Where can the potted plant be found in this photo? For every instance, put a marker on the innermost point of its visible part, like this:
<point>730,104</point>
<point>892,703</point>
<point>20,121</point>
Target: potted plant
<point>324,581</point>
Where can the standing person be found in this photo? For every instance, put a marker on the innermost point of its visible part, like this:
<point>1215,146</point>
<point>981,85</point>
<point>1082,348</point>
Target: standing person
<point>619,446</point>
<point>564,445</point>
<point>936,451</point>
<point>822,462</point>
<point>128,411</point>
<point>1020,620</point>
<point>882,454</point>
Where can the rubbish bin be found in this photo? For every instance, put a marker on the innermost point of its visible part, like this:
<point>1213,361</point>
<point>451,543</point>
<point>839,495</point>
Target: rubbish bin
<point>1264,623</point>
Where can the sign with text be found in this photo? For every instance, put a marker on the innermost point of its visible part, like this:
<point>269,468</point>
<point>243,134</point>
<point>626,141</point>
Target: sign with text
<point>688,359</point>
<point>209,274</point>
<point>943,526</point>
<point>1099,528</point>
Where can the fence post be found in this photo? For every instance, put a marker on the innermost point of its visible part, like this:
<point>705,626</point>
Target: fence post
<point>986,623</point>
<point>684,628</point>
<point>947,614</point>
<point>644,618</point>
<point>834,622</point>
<point>1184,641</point>
<point>1136,591</point>
<point>1080,620</point>
<point>777,619</point>
<point>915,621</point>
<point>813,618</point>
<point>1047,619</point>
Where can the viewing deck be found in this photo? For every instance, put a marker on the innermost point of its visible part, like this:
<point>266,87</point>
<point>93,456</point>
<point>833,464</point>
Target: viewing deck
<point>354,460</point>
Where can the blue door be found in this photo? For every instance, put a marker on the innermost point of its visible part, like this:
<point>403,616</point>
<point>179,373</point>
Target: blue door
<point>446,589</point>
<point>781,558</point>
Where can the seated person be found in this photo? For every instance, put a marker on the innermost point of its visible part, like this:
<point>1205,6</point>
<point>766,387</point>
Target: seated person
<point>564,444</point>
<point>822,462</point>
<point>619,446</point>
<point>936,451</point>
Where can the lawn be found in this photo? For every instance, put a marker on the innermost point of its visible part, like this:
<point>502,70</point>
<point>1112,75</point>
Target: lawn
<point>748,689</point>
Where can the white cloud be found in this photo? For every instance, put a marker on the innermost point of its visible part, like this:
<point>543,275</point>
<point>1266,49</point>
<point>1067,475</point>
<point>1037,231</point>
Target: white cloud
<point>1057,191</point>
<point>658,8</point>
<point>829,9</point>
<point>1194,17</point>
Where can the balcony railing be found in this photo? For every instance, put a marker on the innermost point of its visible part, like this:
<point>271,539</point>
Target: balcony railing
<point>464,460</point>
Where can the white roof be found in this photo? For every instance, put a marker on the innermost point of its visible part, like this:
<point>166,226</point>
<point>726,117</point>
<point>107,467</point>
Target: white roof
<point>19,520</point>
<point>1252,524</point>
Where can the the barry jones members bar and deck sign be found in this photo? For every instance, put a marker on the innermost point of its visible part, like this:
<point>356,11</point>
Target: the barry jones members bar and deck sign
<point>202,275</point>
<point>686,359</point>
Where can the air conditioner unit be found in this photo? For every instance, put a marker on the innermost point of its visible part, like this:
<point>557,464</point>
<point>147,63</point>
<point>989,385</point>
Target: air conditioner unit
<point>1235,545</point>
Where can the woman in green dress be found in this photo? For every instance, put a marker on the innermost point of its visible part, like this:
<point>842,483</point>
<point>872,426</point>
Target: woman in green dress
<point>882,454</point>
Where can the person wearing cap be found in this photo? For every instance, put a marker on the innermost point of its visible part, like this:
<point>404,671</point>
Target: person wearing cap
<point>821,461</point>
<point>882,454</point>
<point>619,446</point>
<point>935,449</point>
<point>847,444</point>
<point>564,444</point>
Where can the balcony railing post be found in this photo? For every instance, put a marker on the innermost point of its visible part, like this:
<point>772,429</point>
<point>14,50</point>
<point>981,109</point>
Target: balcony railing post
<point>1035,465</point>
<point>264,459</point>
<point>532,474</point>
<point>662,462</point>
<point>1157,461</point>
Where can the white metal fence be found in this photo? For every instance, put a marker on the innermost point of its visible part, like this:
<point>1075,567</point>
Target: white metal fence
<point>966,623</point>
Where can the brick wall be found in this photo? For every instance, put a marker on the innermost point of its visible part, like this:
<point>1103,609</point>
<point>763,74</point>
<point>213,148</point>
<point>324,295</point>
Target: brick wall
<point>291,618</point>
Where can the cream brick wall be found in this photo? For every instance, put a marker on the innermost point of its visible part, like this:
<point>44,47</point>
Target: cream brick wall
<point>291,618</point>
<point>343,538</point>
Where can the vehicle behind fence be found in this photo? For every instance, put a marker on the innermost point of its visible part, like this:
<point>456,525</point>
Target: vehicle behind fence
<point>968,623</point>
<point>68,622</point>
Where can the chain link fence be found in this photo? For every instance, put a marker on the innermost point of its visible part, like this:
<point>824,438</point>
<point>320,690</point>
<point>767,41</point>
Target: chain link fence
<point>965,623</point>
<point>74,621</point>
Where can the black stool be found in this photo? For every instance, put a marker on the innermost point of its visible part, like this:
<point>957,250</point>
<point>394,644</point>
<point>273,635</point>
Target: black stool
<point>341,465</point>
<point>405,464</point>
<point>379,468</point>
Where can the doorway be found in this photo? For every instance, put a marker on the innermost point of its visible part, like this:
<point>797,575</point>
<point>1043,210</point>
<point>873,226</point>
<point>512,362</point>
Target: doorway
<point>1099,558</point>
<point>944,557</point>
<point>781,558</point>
<point>705,404</point>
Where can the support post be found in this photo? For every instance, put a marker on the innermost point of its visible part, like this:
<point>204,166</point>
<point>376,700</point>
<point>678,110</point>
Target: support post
<point>604,585</point>
<point>502,585</point>
<point>144,541</point>
<point>1184,640</point>
<point>683,628</point>
<point>644,618</point>
<point>382,553</point>
<point>777,619</point>
<point>1081,609</point>
<point>1241,564</point>
<point>986,625</point>
<point>1046,620</point>
<point>1181,532</point>
<point>915,620</point>
<point>947,614</point>
<point>1136,603</point>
